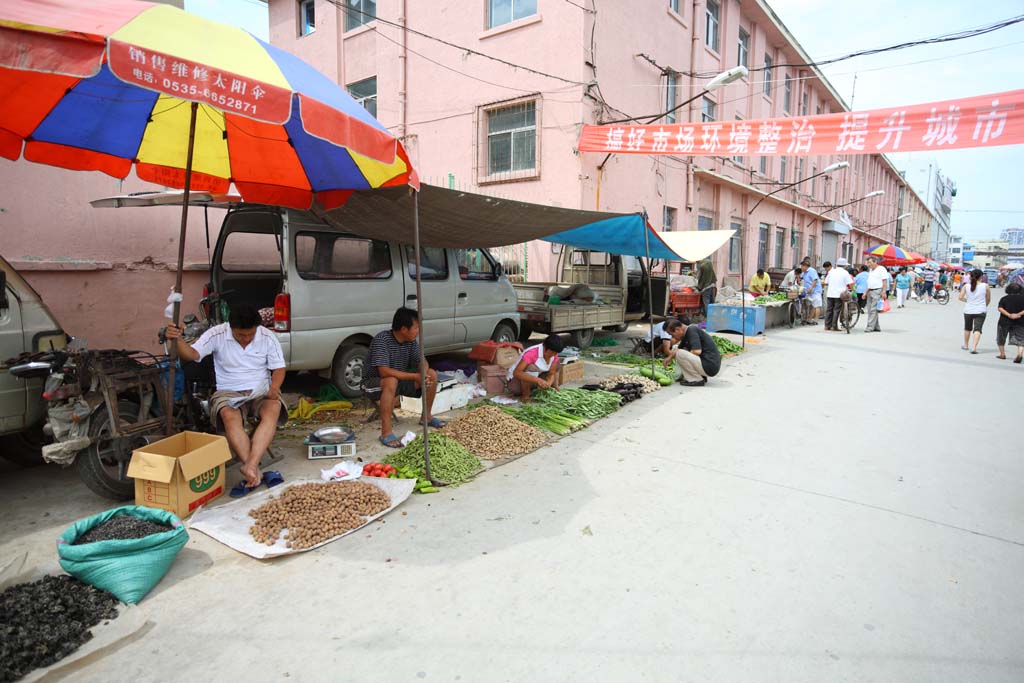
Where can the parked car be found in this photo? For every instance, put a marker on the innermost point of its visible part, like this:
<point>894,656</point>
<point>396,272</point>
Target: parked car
<point>26,325</point>
<point>331,291</point>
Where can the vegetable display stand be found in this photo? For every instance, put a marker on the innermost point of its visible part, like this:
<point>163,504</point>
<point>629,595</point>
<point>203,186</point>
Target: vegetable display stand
<point>723,318</point>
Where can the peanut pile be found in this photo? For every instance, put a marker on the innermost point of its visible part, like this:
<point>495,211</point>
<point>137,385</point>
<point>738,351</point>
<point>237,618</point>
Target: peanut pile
<point>491,434</point>
<point>313,513</point>
<point>648,386</point>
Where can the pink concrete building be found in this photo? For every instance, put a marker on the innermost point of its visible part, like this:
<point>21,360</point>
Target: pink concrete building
<point>490,95</point>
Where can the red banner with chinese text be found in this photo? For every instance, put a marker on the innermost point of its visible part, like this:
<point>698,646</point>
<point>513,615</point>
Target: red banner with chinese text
<point>983,121</point>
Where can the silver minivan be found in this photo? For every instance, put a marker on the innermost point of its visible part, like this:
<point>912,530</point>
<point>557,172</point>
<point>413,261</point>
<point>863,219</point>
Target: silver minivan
<point>26,325</point>
<point>331,291</point>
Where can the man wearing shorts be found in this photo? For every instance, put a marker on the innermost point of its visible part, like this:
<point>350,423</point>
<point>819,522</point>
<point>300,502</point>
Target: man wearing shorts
<point>248,362</point>
<point>393,369</point>
<point>812,290</point>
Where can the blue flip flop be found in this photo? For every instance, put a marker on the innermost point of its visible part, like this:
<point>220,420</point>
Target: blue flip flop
<point>437,423</point>
<point>391,441</point>
<point>241,489</point>
<point>272,478</point>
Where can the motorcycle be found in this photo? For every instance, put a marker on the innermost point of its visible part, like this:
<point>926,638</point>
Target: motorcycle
<point>103,404</point>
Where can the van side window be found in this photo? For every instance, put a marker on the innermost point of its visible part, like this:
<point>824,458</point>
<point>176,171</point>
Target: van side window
<point>324,256</point>
<point>474,264</point>
<point>251,252</point>
<point>435,264</point>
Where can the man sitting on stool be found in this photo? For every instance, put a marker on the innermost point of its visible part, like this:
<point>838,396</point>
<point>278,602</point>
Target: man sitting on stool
<point>697,356</point>
<point>247,358</point>
<point>393,369</point>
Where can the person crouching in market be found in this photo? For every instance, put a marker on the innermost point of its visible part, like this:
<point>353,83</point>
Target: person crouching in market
<point>660,343</point>
<point>696,355</point>
<point>536,367</point>
<point>760,284</point>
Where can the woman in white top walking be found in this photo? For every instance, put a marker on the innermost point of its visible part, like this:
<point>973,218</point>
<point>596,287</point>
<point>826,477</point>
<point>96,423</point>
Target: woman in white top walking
<point>976,296</point>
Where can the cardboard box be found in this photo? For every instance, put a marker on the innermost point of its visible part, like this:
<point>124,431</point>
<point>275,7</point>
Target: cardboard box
<point>181,472</point>
<point>571,371</point>
<point>492,377</point>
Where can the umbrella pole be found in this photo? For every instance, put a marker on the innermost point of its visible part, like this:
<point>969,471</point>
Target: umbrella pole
<point>173,361</point>
<point>743,279</point>
<point>650,296</point>
<point>419,314</point>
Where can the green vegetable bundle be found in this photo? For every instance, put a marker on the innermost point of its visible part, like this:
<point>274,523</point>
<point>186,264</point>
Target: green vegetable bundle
<point>449,460</point>
<point>590,405</point>
<point>726,346</point>
<point>767,299</point>
<point>546,418</point>
<point>623,359</point>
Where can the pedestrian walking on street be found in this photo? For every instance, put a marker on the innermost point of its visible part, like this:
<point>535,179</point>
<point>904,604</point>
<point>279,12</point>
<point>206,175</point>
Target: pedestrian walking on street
<point>860,281</point>
<point>812,290</point>
<point>928,286</point>
<point>976,297</point>
<point>878,286</point>
<point>1011,322</point>
<point>839,283</point>
<point>902,287</point>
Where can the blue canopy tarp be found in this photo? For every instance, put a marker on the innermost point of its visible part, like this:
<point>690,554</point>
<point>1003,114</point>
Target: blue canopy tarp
<point>631,235</point>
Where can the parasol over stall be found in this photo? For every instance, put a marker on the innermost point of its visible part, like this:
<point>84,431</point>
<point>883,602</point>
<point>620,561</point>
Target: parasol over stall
<point>891,255</point>
<point>189,103</point>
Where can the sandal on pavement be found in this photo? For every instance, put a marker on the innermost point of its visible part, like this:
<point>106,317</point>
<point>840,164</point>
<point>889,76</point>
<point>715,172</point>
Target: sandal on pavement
<point>272,478</point>
<point>391,441</point>
<point>1000,357</point>
<point>242,489</point>
<point>963,348</point>
<point>437,423</point>
<point>1019,359</point>
<point>975,352</point>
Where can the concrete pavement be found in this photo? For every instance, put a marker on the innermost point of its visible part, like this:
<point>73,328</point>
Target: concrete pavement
<point>831,507</point>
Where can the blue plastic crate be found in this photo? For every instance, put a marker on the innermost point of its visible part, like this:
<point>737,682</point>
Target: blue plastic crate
<point>722,318</point>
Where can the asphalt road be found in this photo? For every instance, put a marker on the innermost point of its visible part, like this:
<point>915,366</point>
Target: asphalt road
<point>832,507</point>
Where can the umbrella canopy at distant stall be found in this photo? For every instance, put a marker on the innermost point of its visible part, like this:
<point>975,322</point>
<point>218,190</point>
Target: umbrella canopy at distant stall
<point>188,102</point>
<point>891,255</point>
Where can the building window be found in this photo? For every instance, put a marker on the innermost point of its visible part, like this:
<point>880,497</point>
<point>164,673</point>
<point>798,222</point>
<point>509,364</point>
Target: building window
<point>782,169</point>
<point>743,49</point>
<point>705,223</point>
<point>359,12</point>
<point>307,17</point>
<point>768,76</point>
<point>805,103</point>
<point>799,169</point>
<point>787,95</point>
<point>780,243</point>
<point>738,159</point>
<point>711,25</point>
<point>794,241</point>
<point>735,246</point>
<point>811,248</point>
<point>814,181</point>
<point>707,112</point>
<point>668,218</point>
<point>762,245</point>
<point>674,5</point>
<point>512,138</point>
<point>501,12</point>
<point>817,110</point>
<point>670,97</point>
<point>764,166</point>
<point>365,93</point>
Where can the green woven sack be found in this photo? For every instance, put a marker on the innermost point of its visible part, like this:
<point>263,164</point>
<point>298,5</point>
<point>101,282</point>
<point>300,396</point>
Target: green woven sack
<point>128,569</point>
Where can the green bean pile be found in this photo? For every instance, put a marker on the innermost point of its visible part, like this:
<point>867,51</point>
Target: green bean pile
<point>726,346</point>
<point>449,460</point>
<point>590,405</point>
<point>623,359</point>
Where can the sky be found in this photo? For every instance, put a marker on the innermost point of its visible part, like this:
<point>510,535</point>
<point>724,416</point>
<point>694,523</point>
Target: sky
<point>987,179</point>
<point>248,14</point>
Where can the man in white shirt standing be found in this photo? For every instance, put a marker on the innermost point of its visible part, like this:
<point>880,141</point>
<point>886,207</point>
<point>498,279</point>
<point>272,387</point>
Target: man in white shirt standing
<point>878,281</point>
<point>249,362</point>
<point>837,281</point>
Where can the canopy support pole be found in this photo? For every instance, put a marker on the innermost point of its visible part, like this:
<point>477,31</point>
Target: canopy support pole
<point>743,280</point>
<point>650,296</point>
<point>419,315</point>
<point>173,360</point>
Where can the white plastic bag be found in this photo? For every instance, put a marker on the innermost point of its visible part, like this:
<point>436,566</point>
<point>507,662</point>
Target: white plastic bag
<point>342,471</point>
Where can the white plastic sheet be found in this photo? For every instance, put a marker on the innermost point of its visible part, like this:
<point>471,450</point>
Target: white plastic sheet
<point>229,523</point>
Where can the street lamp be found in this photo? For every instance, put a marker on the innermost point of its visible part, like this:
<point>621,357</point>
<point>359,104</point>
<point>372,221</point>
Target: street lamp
<point>872,228</point>
<point>869,195</point>
<point>825,171</point>
<point>724,78</point>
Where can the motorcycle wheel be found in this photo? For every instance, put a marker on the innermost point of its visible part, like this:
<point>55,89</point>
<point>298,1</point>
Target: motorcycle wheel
<point>97,465</point>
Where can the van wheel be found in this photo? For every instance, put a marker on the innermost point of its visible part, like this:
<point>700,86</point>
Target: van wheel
<point>24,449</point>
<point>347,370</point>
<point>504,333</point>
<point>582,339</point>
<point>98,466</point>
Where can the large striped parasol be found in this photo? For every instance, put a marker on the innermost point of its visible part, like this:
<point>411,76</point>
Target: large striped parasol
<point>891,255</point>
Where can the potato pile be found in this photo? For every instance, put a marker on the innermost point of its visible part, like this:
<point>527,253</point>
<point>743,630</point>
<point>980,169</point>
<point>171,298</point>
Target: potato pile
<point>313,513</point>
<point>648,386</point>
<point>490,433</point>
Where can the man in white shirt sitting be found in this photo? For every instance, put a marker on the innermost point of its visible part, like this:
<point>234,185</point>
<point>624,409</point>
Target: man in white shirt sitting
<point>249,362</point>
<point>878,286</point>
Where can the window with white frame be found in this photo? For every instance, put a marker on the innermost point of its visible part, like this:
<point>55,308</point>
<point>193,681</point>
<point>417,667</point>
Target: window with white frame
<point>800,168</point>
<point>794,241</point>
<point>501,12</point>
<point>668,218</point>
<point>711,14</point>
<point>743,49</point>
<point>782,169</point>
<point>805,103</point>
<point>763,166</point>
<point>359,12</point>
<point>768,62</point>
<point>307,17</point>
<point>787,95</point>
<point>511,138</point>
<point>674,5</point>
<point>707,110</point>
<point>735,247</point>
<point>780,244</point>
<point>364,92</point>
<point>762,245</point>
<point>671,85</point>
<point>811,249</point>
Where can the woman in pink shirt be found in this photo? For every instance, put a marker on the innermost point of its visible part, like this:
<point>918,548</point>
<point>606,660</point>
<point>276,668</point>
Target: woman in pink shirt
<point>537,366</point>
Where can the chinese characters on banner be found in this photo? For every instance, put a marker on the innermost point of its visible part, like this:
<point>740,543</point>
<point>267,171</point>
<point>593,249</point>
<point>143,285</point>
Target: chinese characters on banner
<point>984,121</point>
<point>199,83</point>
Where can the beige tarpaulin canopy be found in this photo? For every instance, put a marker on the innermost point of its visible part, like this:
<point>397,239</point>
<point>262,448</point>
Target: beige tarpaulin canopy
<point>694,245</point>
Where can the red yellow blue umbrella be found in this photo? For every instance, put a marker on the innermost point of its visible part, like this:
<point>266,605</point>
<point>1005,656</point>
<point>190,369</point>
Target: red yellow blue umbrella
<point>891,255</point>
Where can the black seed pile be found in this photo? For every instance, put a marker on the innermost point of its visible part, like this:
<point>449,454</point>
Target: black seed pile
<point>121,528</point>
<point>46,620</point>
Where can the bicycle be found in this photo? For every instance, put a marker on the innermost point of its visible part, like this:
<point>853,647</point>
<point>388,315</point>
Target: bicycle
<point>798,310</point>
<point>849,316</point>
<point>941,294</point>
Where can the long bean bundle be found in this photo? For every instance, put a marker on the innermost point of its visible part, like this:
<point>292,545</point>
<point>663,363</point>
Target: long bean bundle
<point>449,460</point>
<point>589,405</point>
<point>546,418</point>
